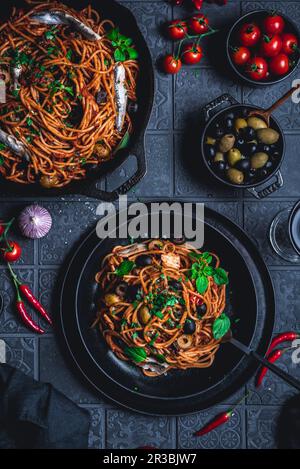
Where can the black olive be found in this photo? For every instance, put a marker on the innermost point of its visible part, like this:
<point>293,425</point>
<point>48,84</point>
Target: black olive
<point>220,166</point>
<point>23,165</point>
<point>179,241</point>
<point>201,309</point>
<point>175,285</point>
<point>229,115</point>
<point>189,326</point>
<point>273,148</point>
<point>228,123</point>
<point>249,149</point>
<point>219,133</point>
<point>276,155</point>
<point>262,173</point>
<point>240,142</point>
<point>243,165</point>
<point>143,260</point>
<point>132,291</point>
<point>245,112</point>
<point>269,165</point>
<point>121,289</point>
<point>210,151</point>
<point>248,134</point>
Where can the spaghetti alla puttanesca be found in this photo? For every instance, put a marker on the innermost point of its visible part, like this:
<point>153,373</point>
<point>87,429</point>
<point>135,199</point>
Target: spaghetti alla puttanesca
<point>162,305</point>
<point>68,77</point>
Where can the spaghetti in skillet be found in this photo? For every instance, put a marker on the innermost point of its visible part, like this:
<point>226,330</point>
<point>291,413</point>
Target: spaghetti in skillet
<point>68,78</point>
<point>162,305</point>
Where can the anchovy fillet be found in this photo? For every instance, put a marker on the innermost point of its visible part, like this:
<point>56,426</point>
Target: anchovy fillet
<point>16,72</point>
<point>15,145</point>
<point>62,17</point>
<point>121,95</point>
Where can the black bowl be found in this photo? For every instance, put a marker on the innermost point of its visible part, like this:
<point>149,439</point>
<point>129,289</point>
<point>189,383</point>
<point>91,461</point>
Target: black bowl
<point>258,16</point>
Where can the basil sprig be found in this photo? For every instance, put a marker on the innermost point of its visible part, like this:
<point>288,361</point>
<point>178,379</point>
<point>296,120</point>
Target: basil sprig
<point>201,270</point>
<point>137,354</point>
<point>124,268</point>
<point>221,326</point>
<point>122,45</point>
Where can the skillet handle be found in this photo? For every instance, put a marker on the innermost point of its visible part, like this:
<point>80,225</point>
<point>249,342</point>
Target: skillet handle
<point>109,196</point>
<point>216,103</point>
<point>275,186</point>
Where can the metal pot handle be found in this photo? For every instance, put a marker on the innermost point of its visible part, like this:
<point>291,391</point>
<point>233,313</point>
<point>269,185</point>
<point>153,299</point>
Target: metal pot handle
<point>109,196</point>
<point>270,189</point>
<point>216,103</point>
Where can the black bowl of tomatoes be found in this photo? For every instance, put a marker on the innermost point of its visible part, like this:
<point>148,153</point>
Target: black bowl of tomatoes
<point>263,48</point>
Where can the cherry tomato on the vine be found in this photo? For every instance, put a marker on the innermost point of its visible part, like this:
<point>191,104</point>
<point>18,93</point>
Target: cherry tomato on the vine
<point>273,24</point>
<point>289,43</point>
<point>257,68</point>
<point>14,253</point>
<point>191,54</point>
<point>249,34</point>
<point>240,55</point>
<point>270,46</point>
<point>2,227</point>
<point>171,64</point>
<point>280,65</point>
<point>177,30</point>
<point>198,24</point>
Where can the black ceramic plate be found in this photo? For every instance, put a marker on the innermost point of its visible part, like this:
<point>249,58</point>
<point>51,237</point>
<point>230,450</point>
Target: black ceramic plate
<point>250,299</point>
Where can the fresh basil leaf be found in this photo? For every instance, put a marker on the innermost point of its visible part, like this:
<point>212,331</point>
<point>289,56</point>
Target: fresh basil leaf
<point>119,55</point>
<point>124,268</point>
<point>128,41</point>
<point>132,53</point>
<point>3,146</point>
<point>137,354</point>
<point>195,255</point>
<point>113,34</point>
<point>208,270</point>
<point>160,358</point>
<point>1,160</point>
<point>124,142</point>
<point>221,326</point>
<point>220,276</point>
<point>159,314</point>
<point>201,284</point>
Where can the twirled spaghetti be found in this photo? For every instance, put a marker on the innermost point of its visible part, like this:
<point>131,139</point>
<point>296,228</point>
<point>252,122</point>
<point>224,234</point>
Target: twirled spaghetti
<point>61,94</point>
<point>151,311</point>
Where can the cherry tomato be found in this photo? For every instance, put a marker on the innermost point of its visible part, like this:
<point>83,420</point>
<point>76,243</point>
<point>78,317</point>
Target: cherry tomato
<point>2,227</point>
<point>273,24</point>
<point>199,24</point>
<point>171,64</point>
<point>240,55</point>
<point>257,68</point>
<point>270,46</point>
<point>249,34</point>
<point>191,54</point>
<point>177,30</point>
<point>15,253</point>
<point>289,43</point>
<point>280,65</point>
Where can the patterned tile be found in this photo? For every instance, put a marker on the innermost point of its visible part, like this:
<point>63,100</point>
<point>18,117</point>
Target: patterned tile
<point>60,372</point>
<point>97,428</point>
<point>286,284</point>
<point>9,320</point>
<point>291,9</point>
<point>126,430</point>
<point>261,427</point>
<point>46,283</point>
<point>20,353</point>
<point>228,436</point>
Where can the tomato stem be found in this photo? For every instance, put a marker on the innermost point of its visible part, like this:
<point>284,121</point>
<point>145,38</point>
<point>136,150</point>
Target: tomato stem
<point>198,38</point>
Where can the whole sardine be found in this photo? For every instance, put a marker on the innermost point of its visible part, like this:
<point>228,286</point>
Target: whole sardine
<point>16,72</point>
<point>121,95</point>
<point>15,145</point>
<point>62,17</point>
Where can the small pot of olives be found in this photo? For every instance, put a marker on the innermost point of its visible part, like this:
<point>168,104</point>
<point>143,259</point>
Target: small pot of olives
<point>242,151</point>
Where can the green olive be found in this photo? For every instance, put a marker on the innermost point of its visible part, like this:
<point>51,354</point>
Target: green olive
<point>259,160</point>
<point>256,123</point>
<point>111,298</point>
<point>48,181</point>
<point>210,141</point>
<point>144,315</point>
<point>219,157</point>
<point>268,136</point>
<point>234,155</point>
<point>226,143</point>
<point>235,176</point>
<point>240,124</point>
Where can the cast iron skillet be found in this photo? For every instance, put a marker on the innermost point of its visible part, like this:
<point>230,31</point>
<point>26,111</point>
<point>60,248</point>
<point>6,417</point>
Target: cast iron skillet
<point>249,298</point>
<point>213,112</point>
<point>91,187</point>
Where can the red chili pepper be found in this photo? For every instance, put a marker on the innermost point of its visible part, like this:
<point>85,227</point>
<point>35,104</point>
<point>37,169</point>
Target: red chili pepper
<point>284,337</point>
<point>198,4</point>
<point>272,357</point>
<point>26,318</point>
<point>34,302</point>
<point>216,422</point>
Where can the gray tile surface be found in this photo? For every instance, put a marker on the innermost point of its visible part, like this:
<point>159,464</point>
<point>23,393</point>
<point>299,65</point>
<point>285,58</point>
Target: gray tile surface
<point>174,172</point>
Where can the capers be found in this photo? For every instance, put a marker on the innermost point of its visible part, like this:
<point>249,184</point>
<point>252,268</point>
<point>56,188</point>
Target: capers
<point>258,160</point>
<point>234,155</point>
<point>235,176</point>
<point>240,124</point>
<point>101,151</point>
<point>226,143</point>
<point>268,136</point>
<point>48,181</point>
<point>144,315</point>
<point>121,289</point>
<point>219,157</point>
<point>210,140</point>
<point>111,298</point>
<point>143,260</point>
<point>256,123</point>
